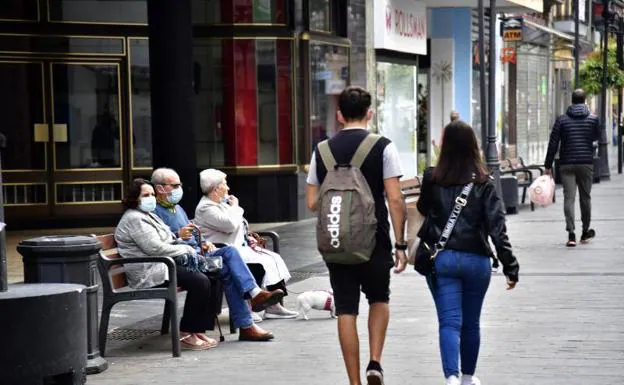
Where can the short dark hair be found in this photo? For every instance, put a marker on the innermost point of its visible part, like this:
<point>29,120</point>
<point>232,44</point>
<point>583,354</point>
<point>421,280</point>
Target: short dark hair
<point>354,103</point>
<point>460,161</point>
<point>578,96</point>
<point>131,200</point>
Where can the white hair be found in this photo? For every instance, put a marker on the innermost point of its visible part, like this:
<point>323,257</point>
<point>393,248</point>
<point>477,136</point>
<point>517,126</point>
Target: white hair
<point>159,176</point>
<point>209,179</point>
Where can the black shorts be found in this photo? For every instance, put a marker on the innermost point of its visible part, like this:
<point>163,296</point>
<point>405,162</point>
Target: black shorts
<point>372,278</point>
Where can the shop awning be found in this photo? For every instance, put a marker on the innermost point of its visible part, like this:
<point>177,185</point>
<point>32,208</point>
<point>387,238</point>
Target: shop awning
<point>517,5</point>
<point>551,31</point>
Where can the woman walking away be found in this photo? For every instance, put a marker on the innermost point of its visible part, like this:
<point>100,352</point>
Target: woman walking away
<point>459,188</point>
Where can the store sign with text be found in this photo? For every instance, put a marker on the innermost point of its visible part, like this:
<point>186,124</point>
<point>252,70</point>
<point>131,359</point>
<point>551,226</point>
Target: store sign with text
<point>512,29</point>
<point>401,25</point>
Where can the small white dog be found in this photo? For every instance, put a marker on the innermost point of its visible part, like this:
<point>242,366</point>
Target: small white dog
<point>317,300</point>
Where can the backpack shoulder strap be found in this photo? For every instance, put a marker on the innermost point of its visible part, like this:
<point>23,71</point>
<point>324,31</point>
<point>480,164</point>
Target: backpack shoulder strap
<point>364,149</point>
<point>326,155</point>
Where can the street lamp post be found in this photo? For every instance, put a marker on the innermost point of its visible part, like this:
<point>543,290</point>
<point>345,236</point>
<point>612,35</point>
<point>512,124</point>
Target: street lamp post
<point>620,61</point>
<point>603,143</point>
<point>4,283</point>
<point>577,46</point>
<point>491,150</point>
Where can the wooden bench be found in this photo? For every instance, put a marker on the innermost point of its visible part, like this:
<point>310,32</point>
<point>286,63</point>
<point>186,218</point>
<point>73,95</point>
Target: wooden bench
<point>411,190</point>
<point>524,175</point>
<point>115,289</point>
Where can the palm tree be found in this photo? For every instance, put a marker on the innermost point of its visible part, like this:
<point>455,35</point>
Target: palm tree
<point>443,72</point>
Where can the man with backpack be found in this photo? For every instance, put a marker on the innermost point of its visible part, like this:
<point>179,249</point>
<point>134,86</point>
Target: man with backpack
<point>349,174</point>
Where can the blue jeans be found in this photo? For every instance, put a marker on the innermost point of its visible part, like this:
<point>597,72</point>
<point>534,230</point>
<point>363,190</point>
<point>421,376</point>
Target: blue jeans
<point>237,281</point>
<point>462,279</point>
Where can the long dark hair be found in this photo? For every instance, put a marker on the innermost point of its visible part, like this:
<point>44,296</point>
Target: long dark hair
<point>460,160</point>
<point>131,200</point>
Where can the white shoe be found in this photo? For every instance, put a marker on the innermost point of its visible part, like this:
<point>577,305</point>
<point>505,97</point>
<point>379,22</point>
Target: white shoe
<point>279,312</point>
<point>470,380</point>
<point>452,380</point>
<point>257,318</point>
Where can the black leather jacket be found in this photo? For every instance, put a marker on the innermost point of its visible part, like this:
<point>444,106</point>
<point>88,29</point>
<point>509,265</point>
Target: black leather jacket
<point>483,216</point>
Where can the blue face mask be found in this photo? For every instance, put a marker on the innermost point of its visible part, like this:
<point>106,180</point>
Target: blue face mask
<point>175,196</point>
<point>147,204</point>
<point>225,199</point>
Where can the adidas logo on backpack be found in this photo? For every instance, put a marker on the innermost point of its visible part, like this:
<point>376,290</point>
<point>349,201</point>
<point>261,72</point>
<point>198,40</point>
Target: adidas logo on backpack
<point>347,224</point>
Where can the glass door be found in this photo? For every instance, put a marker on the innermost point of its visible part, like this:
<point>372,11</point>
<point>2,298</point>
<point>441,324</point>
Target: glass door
<point>64,127</point>
<point>24,123</point>
<point>87,136</point>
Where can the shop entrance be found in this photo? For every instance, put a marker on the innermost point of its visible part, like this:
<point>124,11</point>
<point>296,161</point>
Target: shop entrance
<point>63,119</point>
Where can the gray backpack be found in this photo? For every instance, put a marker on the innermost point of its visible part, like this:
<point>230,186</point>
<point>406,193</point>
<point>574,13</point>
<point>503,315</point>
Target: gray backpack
<point>346,226</point>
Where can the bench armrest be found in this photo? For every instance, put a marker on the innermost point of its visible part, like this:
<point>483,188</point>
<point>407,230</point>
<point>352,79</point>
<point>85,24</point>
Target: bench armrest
<point>274,239</point>
<point>104,266</point>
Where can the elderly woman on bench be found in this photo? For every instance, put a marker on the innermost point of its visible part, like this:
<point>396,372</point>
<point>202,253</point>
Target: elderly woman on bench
<point>221,220</point>
<point>141,233</point>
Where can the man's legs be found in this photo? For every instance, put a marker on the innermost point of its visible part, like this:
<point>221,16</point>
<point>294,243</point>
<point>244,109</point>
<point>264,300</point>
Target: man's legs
<point>584,177</point>
<point>568,180</point>
<point>346,289</point>
<point>350,345</point>
<point>378,318</point>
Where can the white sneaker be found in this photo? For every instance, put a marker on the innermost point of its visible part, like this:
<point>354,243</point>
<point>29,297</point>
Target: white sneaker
<point>470,380</point>
<point>279,312</point>
<point>257,318</point>
<point>452,380</point>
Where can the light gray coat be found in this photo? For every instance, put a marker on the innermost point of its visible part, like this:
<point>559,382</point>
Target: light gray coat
<point>140,234</point>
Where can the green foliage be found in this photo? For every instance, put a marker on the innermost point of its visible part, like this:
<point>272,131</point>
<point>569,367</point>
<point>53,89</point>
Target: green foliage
<point>591,72</point>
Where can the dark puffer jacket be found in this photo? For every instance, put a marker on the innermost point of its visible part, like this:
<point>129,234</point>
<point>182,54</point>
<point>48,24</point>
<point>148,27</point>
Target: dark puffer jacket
<point>576,131</point>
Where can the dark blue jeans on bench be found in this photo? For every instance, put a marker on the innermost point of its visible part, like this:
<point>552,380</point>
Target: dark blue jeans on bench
<point>237,281</point>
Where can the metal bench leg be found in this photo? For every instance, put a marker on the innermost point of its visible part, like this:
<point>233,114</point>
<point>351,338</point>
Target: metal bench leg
<point>106,310</point>
<point>164,329</point>
<point>232,328</point>
<point>175,329</point>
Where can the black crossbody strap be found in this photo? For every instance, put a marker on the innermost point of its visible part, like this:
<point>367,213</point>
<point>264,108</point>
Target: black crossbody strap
<point>460,203</point>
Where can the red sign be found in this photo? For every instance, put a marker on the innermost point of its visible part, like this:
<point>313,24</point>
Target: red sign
<point>508,55</point>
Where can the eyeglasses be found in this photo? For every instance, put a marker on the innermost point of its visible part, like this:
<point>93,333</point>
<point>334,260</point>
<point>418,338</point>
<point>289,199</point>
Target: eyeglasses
<point>174,185</point>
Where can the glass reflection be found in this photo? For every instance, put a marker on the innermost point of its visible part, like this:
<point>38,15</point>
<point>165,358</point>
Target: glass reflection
<point>21,108</point>
<point>329,74</point>
<point>141,104</point>
<point>86,115</point>
<point>99,11</point>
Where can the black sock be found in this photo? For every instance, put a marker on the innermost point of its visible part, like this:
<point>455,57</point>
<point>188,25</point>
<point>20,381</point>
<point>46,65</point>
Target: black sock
<point>374,365</point>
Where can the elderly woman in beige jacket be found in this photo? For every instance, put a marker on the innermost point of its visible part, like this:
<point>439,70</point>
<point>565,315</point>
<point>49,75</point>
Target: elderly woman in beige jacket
<point>221,220</point>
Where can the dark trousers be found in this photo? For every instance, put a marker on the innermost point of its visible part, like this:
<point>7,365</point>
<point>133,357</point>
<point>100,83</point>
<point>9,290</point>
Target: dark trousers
<point>200,307</point>
<point>258,273</point>
<point>575,176</point>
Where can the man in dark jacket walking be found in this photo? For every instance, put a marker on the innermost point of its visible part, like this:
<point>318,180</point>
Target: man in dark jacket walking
<point>574,134</point>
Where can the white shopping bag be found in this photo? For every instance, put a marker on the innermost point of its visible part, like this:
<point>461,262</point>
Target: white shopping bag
<point>542,190</point>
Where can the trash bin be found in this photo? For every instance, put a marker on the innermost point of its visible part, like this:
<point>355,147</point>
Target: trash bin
<point>509,188</point>
<point>44,334</point>
<point>68,259</point>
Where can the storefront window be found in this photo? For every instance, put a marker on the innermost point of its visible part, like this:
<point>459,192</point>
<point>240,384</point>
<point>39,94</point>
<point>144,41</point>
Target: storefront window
<point>140,102</point>
<point>239,12</point>
<point>19,10</point>
<point>422,118</point>
<point>243,108</point>
<point>320,15</point>
<point>208,103</point>
<point>329,75</point>
<point>396,110</point>
<point>99,11</point>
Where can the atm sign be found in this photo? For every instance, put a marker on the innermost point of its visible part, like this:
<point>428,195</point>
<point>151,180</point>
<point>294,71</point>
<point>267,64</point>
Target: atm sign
<point>512,34</point>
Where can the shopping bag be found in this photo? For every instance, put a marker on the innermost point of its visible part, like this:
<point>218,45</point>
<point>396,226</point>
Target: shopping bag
<point>542,190</point>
